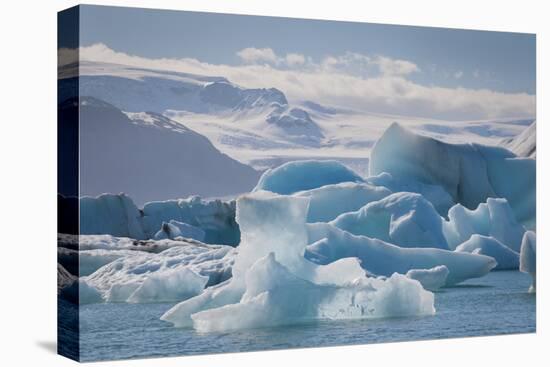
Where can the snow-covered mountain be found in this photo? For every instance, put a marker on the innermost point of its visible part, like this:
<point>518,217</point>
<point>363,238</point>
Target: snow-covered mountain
<point>150,157</point>
<point>261,127</point>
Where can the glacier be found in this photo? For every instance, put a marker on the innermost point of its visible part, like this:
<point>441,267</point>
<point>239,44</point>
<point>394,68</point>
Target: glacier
<point>528,257</point>
<point>405,219</point>
<point>470,173</point>
<point>273,284</point>
<point>297,176</point>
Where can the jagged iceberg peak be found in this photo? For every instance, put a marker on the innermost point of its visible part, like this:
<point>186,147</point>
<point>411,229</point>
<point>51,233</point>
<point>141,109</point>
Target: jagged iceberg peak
<point>470,173</point>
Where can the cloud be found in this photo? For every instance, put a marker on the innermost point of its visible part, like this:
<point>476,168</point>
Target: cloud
<point>351,80</point>
<point>395,67</point>
<point>258,55</point>
<point>295,59</point>
<point>458,74</point>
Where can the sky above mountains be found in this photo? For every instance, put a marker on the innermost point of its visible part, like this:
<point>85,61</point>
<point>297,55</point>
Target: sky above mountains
<point>415,71</point>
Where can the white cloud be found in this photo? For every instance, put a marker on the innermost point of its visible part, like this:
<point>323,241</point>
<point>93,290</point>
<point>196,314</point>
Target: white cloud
<point>336,81</point>
<point>253,55</point>
<point>458,74</point>
<point>295,59</point>
<point>395,67</point>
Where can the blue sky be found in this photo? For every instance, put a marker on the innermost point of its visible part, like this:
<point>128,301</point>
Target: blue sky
<point>499,61</point>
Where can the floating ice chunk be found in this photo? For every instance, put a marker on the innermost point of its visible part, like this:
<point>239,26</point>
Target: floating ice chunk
<point>440,199</point>
<point>507,259</point>
<point>330,243</point>
<point>470,173</point>
<point>528,257</point>
<point>297,176</point>
<point>229,292</point>
<point>273,284</point>
<point>169,286</point>
<point>431,279</point>
<point>494,219</point>
<point>175,229</point>
<point>110,214</point>
<point>327,202</point>
<point>405,219</point>
<point>275,296</point>
<point>177,273</point>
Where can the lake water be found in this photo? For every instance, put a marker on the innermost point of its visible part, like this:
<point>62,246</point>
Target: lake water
<point>495,304</point>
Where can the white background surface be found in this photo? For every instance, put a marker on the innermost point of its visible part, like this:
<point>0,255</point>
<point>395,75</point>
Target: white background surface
<point>28,182</point>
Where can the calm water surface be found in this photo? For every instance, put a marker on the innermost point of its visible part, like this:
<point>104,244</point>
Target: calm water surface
<point>495,304</point>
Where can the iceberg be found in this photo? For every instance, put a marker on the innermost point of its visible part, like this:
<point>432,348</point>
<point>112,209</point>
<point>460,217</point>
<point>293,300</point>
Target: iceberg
<point>116,215</point>
<point>507,259</point>
<point>273,284</point>
<point>275,296</point>
<point>91,260</point>
<point>329,243</point>
<point>469,173</point>
<point>327,202</point>
<point>528,257</point>
<point>404,219</point>
<point>295,176</point>
<point>493,218</point>
<point>209,221</point>
<point>431,279</point>
<point>177,273</point>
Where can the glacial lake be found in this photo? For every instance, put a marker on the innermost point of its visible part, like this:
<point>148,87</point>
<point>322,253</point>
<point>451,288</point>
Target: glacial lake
<point>495,304</point>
